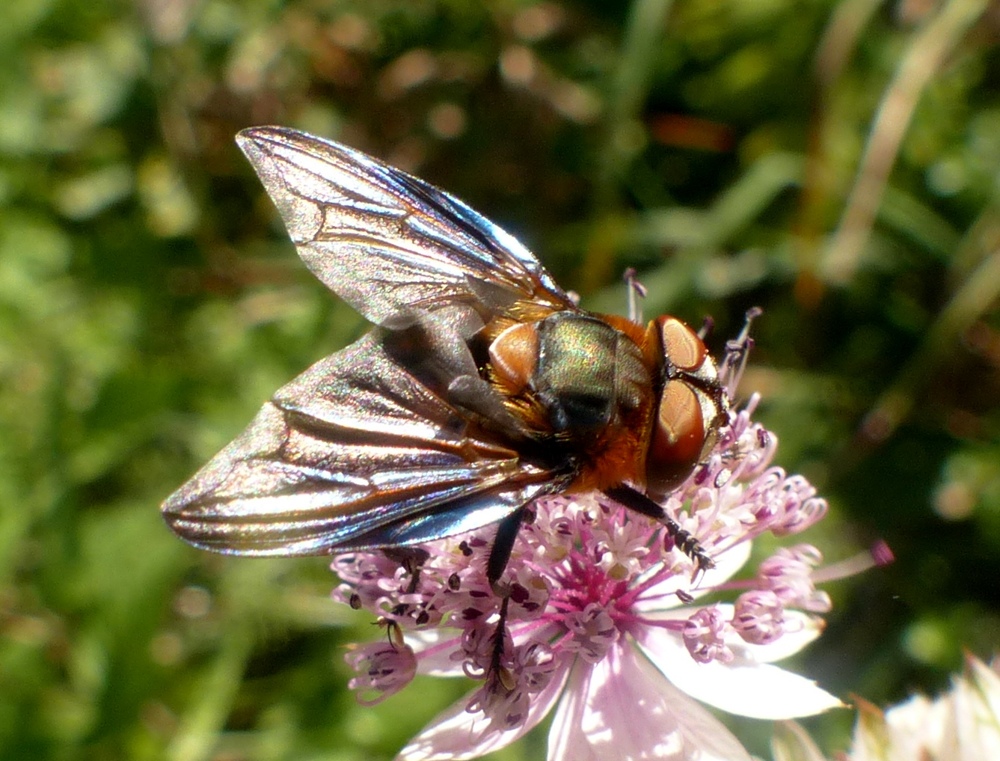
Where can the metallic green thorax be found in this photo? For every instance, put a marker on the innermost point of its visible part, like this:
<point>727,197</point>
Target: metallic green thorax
<point>587,372</point>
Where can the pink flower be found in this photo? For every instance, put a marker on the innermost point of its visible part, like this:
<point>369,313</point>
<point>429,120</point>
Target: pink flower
<point>608,623</point>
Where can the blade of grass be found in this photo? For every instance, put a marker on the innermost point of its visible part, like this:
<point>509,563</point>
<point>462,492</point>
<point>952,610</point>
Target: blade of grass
<point>644,30</point>
<point>198,733</point>
<point>926,54</point>
<point>979,291</point>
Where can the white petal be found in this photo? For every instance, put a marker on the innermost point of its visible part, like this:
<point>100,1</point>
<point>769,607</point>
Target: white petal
<point>960,725</point>
<point>985,682</point>
<point>622,708</point>
<point>742,687</point>
<point>663,596</point>
<point>434,648</point>
<point>727,564</point>
<point>457,734</point>
<point>790,742</point>
<point>566,741</point>
<point>917,728</point>
<point>976,714</point>
<point>802,630</point>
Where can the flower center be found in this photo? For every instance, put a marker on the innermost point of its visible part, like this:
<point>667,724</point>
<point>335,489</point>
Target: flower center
<point>591,606</point>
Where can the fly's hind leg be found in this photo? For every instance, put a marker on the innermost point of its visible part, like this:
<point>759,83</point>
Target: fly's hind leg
<point>496,564</point>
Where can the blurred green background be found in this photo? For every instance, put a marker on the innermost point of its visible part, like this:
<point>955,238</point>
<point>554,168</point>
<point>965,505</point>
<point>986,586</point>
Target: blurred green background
<point>833,162</point>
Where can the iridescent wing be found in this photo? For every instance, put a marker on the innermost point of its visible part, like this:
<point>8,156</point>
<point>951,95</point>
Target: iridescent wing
<point>385,241</point>
<point>394,440</point>
<point>353,453</point>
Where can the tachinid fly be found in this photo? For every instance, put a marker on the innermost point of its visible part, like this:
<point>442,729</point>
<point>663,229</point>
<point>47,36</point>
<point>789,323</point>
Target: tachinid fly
<point>482,386</point>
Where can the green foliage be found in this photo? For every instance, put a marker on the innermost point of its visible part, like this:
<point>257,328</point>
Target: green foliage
<point>835,163</point>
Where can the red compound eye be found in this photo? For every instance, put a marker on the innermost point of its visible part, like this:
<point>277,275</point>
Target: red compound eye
<point>678,437</point>
<point>680,344</point>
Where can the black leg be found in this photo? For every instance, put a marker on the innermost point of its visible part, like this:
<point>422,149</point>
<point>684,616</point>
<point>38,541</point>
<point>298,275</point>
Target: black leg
<point>636,500</point>
<point>498,671</point>
<point>496,564</point>
<point>503,544</point>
